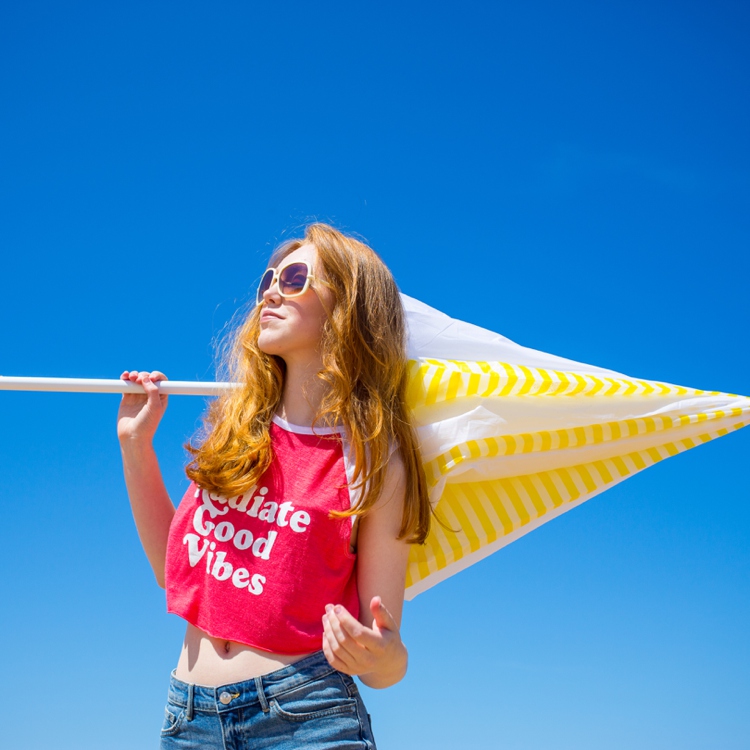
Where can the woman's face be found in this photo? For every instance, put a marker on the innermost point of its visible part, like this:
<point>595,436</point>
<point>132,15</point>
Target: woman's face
<point>291,327</point>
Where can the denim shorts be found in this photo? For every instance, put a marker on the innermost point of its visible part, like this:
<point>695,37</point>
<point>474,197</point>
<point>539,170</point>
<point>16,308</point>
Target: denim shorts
<point>308,704</point>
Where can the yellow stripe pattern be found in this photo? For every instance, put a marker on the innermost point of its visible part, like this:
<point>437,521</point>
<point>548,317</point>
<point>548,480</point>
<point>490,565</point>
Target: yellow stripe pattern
<point>480,512</point>
<point>432,381</point>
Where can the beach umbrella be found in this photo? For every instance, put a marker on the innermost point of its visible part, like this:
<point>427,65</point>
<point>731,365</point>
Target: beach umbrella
<point>510,437</point>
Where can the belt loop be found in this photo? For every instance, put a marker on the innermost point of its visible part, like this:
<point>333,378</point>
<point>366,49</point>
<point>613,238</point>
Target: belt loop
<point>261,694</point>
<point>189,712</point>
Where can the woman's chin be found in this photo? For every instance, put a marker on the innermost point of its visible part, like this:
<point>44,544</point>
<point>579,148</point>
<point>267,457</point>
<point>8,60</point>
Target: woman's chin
<point>268,346</point>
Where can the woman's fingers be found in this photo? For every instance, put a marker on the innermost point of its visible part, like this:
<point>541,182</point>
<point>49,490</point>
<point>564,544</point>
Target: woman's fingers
<point>382,617</point>
<point>157,377</point>
<point>148,381</point>
<point>144,378</point>
<point>363,636</point>
<point>135,375</point>
<point>347,629</point>
<point>140,413</point>
<point>335,651</point>
<point>333,660</point>
<point>352,647</point>
<point>354,644</point>
<point>152,391</point>
<point>348,646</point>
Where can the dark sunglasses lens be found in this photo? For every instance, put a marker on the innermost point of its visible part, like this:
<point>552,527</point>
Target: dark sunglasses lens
<point>265,283</point>
<point>293,278</point>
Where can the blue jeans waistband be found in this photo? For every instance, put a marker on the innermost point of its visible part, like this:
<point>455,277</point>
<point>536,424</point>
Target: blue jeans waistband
<point>249,692</point>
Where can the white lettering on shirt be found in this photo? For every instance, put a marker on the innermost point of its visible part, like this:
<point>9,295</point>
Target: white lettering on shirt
<point>200,545</point>
<point>262,547</point>
<point>257,500</point>
<point>299,521</point>
<point>194,551</point>
<point>284,508</point>
<point>268,512</point>
<point>222,569</point>
<point>256,584</point>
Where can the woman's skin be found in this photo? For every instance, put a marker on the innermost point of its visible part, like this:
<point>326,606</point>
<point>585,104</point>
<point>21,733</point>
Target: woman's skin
<point>370,647</point>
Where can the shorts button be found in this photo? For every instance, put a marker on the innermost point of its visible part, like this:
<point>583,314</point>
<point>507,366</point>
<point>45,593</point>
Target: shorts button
<point>225,697</point>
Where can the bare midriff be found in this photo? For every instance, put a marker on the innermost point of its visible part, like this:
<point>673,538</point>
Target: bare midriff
<point>209,661</point>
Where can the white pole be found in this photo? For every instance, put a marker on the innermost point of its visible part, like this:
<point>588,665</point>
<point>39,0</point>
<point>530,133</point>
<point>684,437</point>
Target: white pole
<point>94,385</point>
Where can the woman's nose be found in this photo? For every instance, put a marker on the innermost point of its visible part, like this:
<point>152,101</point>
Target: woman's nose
<point>272,292</point>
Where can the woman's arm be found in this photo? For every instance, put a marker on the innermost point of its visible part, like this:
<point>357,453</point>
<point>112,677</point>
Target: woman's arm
<point>371,647</point>
<point>137,421</point>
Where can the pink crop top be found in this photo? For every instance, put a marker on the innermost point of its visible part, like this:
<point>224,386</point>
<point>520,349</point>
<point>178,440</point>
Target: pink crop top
<point>260,568</point>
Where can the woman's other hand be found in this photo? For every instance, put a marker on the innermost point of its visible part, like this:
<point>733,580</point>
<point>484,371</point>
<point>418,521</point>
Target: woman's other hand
<point>355,649</point>
<point>139,415</point>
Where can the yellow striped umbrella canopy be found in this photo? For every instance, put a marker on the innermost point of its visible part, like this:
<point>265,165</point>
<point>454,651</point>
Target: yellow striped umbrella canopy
<point>512,437</point>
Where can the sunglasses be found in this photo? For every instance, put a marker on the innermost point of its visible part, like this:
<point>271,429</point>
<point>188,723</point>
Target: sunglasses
<point>294,279</point>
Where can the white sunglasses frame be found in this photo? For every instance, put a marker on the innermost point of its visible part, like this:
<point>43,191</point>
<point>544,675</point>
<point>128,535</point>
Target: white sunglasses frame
<point>277,274</point>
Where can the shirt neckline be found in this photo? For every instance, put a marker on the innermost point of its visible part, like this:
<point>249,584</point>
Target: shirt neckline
<point>302,430</point>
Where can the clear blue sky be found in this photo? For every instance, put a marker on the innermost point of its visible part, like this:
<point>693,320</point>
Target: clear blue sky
<point>575,176</point>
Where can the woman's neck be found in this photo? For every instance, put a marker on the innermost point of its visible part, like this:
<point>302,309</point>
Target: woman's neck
<point>302,393</point>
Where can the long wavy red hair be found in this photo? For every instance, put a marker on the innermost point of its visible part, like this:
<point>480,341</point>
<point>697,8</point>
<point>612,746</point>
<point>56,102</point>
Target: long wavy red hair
<point>363,348</point>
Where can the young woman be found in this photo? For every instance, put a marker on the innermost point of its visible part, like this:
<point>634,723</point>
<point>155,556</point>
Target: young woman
<point>287,554</point>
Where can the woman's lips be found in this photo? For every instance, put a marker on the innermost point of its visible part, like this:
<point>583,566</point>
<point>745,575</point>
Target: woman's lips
<point>268,315</point>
